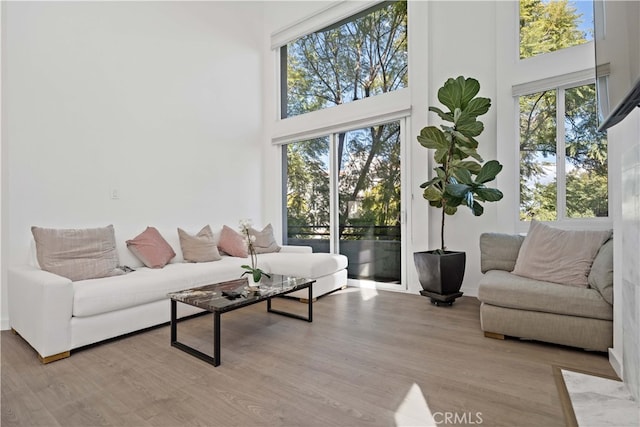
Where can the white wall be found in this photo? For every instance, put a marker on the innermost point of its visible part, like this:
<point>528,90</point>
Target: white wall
<point>436,53</point>
<point>624,142</point>
<point>160,101</point>
<point>469,50</point>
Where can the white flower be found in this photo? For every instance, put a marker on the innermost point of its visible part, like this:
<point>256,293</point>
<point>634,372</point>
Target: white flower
<point>245,224</point>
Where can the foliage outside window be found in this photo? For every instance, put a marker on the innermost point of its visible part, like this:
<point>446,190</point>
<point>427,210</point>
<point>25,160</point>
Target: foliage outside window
<point>551,25</point>
<point>360,57</point>
<point>367,178</point>
<point>581,192</point>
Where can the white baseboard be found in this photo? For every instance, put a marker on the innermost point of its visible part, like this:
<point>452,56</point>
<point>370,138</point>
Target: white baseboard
<point>4,324</point>
<point>616,362</point>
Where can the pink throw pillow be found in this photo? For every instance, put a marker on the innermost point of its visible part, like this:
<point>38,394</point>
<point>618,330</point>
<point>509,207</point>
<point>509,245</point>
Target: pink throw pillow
<point>232,243</point>
<point>151,248</point>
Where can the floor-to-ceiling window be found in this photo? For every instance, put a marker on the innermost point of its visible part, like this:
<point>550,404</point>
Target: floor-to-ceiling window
<point>343,110</point>
<point>344,195</point>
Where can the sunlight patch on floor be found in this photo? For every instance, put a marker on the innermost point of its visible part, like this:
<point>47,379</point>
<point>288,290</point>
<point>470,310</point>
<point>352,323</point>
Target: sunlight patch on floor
<point>414,411</point>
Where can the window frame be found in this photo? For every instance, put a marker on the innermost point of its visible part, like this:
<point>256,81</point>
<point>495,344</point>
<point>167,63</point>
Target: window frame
<point>560,84</point>
<point>383,107</point>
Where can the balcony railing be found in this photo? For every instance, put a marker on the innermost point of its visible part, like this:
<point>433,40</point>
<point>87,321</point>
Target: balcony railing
<point>374,252</point>
<point>347,232</point>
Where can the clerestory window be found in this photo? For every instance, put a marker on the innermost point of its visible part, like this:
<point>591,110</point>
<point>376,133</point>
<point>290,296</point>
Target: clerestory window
<point>551,25</point>
<point>356,58</point>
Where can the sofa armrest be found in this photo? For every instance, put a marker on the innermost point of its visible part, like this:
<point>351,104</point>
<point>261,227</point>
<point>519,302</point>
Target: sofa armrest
<point>499,251</point>
<point>40,309</point>
<point>296,249</point>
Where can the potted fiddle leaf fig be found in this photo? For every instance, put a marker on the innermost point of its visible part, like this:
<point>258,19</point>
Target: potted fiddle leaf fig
<point>460,179</point>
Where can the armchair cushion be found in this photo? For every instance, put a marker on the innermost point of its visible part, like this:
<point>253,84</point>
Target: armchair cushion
<point>499,251</point>
<point>559,256</point>
<point>601,275</point>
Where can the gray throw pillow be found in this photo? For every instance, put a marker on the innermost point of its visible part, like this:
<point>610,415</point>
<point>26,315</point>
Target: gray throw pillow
<point>559,256</point>
<point>601,275</point>
<point>265,241</point>
<point>499,251</point>
<point>199,248</point>
<point>77,254</point>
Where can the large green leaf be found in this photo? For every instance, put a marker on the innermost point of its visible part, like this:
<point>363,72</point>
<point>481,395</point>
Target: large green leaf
<point>489,194</point>
<point>473,167</point>
<point>450,209</point>
<point>433,181</point>
<point>440,155</point>
<point>477,209</point>
<point>456,93</point>
<point>478,106</point>
<point>489,171</point>
<point>432,137</point>
<point>432,194</point>
<point>461,138</point>
<point>470,152</point>
<point>444,116</point>
<point>450,94</point>
<point>458,190</point>
<point>470,127</point>
<point>464,176</point>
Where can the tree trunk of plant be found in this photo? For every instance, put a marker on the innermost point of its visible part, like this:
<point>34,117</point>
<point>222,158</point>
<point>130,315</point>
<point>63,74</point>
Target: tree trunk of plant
<point>442,247</point>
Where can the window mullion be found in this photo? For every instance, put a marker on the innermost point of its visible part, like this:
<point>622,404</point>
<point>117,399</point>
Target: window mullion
<point>334,221</point>
<point>561,185</point>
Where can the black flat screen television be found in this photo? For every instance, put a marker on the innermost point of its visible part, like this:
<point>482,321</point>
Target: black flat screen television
<point>617,48</point>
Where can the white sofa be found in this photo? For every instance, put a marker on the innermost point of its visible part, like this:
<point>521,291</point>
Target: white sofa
<point>55,315</point>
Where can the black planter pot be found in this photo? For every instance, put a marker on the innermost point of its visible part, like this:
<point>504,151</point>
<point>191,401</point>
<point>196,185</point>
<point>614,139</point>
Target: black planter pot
<point>440,275</point>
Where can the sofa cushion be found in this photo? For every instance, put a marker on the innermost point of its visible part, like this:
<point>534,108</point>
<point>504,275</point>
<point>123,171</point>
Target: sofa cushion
<point>200,247</point>
<point>232,243</point>
<point>560,256</point>
<point>265,241</point>
<point>504,289</point>
<point>499,251</point>
<point>309,265</point>
<point>146,285</point>
<point>77,254</point>
<point>151,248</point>
<point>601,275</point>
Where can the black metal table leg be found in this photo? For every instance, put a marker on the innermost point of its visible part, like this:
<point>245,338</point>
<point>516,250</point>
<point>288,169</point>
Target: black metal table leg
<point>216,339</point>
<point>215,361</point>
<point>309,317</point>
<point>310,303</point>
<point>173,321</point>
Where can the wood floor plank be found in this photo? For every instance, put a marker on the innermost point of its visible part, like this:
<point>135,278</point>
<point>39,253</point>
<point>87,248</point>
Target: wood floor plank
<point>366,355</point>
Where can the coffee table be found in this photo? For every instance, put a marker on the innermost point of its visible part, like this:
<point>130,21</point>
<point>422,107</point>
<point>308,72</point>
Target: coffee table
<point>210,298</point>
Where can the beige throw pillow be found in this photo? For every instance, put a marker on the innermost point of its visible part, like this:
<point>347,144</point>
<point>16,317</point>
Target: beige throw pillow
<point>77,254</point>
<point>559,256</point>
<point>198,248</point>
<point>265,241</point>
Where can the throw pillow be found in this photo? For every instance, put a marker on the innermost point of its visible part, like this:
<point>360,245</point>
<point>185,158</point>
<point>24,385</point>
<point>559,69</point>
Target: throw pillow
<point>198,248</point>
<point>601,275</point>
<point>151,248</point>
<point>265,241</point>
<point>232,243</point>
<point>77,254</point>
<point>559,256</point>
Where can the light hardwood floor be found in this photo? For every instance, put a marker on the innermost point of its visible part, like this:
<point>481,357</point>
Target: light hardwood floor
<point>368,359</point>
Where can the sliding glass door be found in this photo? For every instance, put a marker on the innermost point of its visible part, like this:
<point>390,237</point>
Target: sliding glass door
<point>344,195</point>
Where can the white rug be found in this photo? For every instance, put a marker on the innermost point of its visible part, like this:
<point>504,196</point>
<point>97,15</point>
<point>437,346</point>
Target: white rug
<point>599,402</point>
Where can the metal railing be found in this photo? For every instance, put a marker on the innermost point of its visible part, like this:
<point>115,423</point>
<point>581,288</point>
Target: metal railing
<point>346,232</point>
